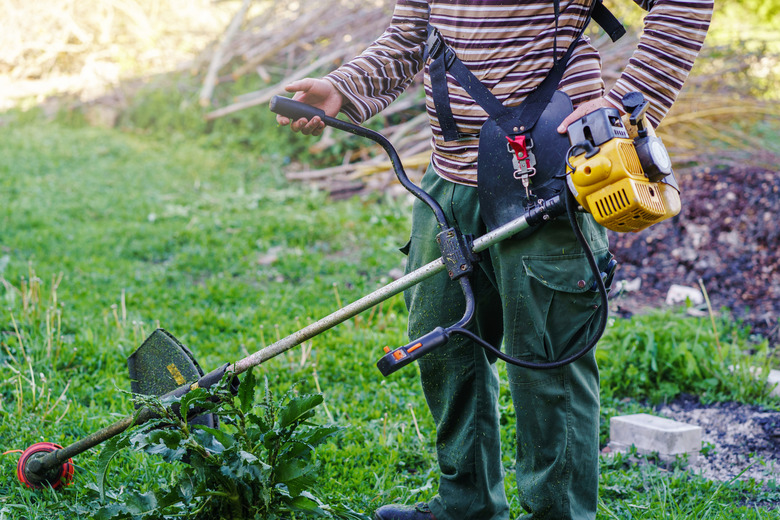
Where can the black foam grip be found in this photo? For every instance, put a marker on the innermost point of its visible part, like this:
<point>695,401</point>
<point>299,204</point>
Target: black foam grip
<point>294,109</point>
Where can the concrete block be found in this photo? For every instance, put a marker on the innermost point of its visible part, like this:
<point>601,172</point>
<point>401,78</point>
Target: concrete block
<point>774,380</point>
<point>652,434</point>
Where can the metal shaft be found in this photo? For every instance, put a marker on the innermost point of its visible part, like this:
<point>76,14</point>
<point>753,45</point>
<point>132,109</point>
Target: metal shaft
<point>43,464</point>
<point>532,217</point>
<point>368,301</point>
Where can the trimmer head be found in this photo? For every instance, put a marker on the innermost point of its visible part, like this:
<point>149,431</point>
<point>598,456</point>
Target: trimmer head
<point>161,365</point>
<point>57,477</point>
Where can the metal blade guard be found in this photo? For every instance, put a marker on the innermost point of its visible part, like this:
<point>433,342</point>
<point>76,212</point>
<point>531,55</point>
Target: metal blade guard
<point>161,365</point>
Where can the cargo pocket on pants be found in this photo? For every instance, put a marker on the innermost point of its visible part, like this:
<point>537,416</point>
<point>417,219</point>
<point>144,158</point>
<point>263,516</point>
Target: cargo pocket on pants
<point>563,300</point>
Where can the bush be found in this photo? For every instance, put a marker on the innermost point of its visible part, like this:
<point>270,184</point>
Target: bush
<point>258,464</point>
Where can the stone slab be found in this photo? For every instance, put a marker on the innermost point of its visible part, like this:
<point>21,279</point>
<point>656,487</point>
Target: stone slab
<point>652,434</point>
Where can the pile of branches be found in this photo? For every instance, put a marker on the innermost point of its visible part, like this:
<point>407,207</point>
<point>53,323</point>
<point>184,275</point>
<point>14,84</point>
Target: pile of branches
<point>285,42</point>
<point>70,46</point>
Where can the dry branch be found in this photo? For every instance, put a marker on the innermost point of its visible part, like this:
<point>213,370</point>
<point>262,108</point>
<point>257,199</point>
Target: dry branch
<point>264,96</point>
<point>216,61</point>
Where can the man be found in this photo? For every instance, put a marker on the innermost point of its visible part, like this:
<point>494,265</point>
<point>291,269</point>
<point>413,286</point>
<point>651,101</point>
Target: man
<point>532,294</point>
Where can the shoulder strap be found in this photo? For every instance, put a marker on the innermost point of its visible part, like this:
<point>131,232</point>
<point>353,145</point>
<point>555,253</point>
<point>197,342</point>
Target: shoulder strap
<point>444,59</point>
<point>607,21</point>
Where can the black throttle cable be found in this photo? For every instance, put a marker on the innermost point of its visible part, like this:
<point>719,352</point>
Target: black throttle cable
<point>604,308</point>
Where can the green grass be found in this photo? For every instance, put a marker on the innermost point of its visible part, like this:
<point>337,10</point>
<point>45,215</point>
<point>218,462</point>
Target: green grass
<point>106,235</point>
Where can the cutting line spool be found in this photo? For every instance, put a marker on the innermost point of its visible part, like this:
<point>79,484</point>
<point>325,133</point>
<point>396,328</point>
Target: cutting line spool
<point>57,478</point>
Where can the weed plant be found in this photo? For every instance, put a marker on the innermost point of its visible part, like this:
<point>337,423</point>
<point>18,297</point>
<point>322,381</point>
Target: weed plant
<point>257,464</point>
<point>658,356</point>
<point>106,235</point>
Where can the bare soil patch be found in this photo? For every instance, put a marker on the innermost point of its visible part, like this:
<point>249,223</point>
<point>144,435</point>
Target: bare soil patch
<point>726,235</point>
<point>739,441</point>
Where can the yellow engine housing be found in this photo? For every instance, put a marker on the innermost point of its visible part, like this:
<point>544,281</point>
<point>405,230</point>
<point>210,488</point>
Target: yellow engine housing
<point>612,187</point>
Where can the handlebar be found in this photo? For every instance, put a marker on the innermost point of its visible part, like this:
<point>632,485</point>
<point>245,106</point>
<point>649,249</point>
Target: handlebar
<point>295,109</point>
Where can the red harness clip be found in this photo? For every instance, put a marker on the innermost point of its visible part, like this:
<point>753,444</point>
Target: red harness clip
<point>520,149</point>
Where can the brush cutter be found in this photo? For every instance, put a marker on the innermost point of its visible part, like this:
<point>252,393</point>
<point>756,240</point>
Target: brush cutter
<point>162,366</point>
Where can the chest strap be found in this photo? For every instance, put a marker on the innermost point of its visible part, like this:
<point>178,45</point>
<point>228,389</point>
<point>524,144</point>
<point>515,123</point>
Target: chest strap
<point>444,59</point>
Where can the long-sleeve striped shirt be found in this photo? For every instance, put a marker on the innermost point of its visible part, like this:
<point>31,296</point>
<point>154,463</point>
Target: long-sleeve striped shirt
<point>508,45</point>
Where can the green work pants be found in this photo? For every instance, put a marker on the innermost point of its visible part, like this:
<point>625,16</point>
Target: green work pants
<point>534,295</point>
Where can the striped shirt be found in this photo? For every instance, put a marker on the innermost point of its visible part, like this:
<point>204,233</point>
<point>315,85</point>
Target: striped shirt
<point>509,45</point>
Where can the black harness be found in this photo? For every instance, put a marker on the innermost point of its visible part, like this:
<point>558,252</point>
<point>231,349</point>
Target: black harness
<point>514,172</point>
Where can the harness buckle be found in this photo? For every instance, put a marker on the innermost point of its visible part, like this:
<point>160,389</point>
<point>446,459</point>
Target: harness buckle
<point>435,46</point>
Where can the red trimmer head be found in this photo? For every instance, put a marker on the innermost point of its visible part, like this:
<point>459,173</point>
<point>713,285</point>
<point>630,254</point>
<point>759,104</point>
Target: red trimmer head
<point>57,477</point>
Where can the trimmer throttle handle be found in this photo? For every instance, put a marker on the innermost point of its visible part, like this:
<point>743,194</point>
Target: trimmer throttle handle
<point>402,356</point>
<point>294,109</point>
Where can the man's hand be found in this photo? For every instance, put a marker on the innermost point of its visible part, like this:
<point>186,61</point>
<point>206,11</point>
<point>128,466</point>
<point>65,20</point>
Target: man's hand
<point>583,110</point>
<point>318,93</point>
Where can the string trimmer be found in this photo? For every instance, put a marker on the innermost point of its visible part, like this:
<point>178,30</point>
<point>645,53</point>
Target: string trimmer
<point>627,184</point>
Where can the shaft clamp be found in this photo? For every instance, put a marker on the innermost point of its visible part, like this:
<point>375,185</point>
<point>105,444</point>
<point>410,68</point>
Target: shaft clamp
<point>456,252</point>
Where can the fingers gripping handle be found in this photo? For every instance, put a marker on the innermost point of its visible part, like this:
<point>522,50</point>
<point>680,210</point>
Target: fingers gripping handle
<point>402,356</point>
<point>295,109</point>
